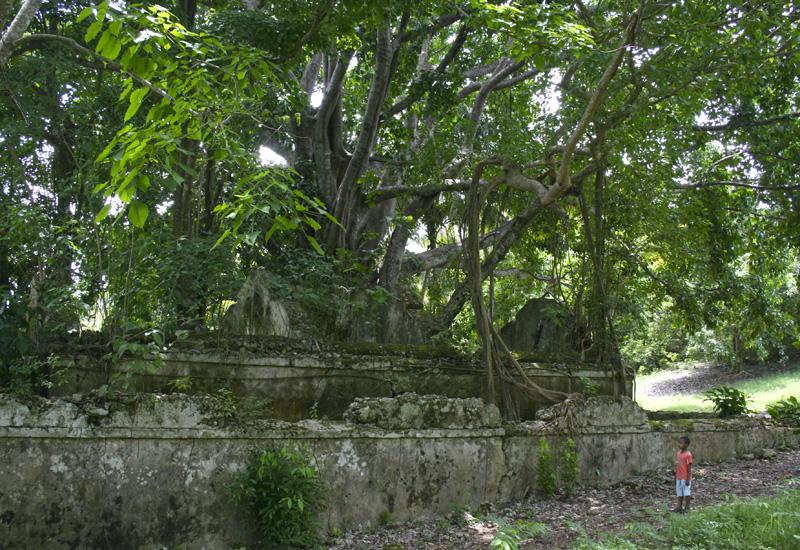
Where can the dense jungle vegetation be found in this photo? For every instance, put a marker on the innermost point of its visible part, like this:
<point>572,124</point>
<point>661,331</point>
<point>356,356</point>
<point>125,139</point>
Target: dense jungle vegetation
<point>401,171</point>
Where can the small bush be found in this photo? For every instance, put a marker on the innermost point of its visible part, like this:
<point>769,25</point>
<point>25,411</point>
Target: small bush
<point>281,494</point>
<point>786,411</point>
<point>546,474</point>
<point>589,387</point>
<point>570,470</point>
<point>727,401</point>
<point>226,409</point>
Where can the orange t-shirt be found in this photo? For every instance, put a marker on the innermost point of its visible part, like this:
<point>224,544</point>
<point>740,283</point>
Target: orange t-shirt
<point>682,461</point>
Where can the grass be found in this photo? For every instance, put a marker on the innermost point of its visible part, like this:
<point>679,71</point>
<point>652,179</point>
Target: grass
<point>761,391</point>
<point>764,523</point>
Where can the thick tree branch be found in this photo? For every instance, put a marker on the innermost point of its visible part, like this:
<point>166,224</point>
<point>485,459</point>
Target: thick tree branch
<point>472,87</point>
<point>417,93</point>
<point>308,81</point>
<point>502,241</point>
<point>386,193</point>
<point>369,127</point>
<point>326,182</point>
<point>18,26</point>
<point>563,176</point>
<point>504,69</point>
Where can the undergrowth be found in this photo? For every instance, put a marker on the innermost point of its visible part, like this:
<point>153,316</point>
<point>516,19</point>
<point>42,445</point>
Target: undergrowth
<point>281,494</point>
<point>765,523</point>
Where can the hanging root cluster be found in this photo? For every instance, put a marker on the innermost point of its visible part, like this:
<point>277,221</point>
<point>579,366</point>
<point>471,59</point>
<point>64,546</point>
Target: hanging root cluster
<point>503,371</point>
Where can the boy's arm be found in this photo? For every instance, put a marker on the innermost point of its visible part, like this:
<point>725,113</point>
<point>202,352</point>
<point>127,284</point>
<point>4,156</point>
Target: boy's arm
<point>689,474</point>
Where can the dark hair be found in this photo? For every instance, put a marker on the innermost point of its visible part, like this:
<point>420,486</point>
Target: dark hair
<point>684,438</point>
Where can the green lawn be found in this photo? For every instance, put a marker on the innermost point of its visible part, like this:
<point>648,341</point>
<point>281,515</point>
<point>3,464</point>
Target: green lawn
<point>762,391</point>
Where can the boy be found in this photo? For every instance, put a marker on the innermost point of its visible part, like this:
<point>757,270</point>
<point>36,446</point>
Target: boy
<point>683,475</point>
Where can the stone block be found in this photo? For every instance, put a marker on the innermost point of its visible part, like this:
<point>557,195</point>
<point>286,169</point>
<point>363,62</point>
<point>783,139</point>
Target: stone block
<point>412,411</point>
<point>594,412</point>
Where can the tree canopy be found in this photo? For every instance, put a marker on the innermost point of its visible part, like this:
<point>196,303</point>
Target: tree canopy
<point>441,163</point>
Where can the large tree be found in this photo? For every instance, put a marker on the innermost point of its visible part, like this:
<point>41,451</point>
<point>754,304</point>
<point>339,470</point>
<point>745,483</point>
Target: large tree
<point>615,155</point>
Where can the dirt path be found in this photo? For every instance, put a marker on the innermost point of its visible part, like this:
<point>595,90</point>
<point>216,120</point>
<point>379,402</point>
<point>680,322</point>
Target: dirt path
<point>641,498</point>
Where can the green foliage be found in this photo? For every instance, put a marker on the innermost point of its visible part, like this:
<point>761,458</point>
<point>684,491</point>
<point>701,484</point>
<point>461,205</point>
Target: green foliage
<point>768,523</point>
<point>139,358</point>
<point>31,374</point>
<point>654,343</point>
<point>385,517</point>
<point>570,468</point>
<point>226,409</point>
<point>727,401</point>
<point>503,540</point>
<point>545,468</point>
<point>509,536</point>
<point>281,494</point>
<point>589,387</point>
<point>182,384</point>
<point>786,411</point>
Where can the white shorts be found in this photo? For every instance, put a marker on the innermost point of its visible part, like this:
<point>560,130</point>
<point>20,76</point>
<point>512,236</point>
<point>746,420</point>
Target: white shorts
<point>683,488</point>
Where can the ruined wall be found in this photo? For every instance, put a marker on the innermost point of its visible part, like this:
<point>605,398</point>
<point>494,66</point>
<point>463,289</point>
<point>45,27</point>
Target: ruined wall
<point>78,475</point>
<point>294,380</point>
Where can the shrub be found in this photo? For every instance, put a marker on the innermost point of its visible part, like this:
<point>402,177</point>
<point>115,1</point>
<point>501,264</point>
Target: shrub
<point>786,411</point>
<point>727,401</point>
<point>281,493</point>
<point>589,387</point>
<point>569,467</point>
<point>546,474</point>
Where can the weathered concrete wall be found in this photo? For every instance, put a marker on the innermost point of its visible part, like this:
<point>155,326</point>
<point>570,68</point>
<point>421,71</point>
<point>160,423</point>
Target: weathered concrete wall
<point>295,381</point>
<point>74,475</point>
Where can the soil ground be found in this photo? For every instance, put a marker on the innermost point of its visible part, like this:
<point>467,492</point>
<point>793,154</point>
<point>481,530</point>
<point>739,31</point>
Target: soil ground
<point>590,512</point>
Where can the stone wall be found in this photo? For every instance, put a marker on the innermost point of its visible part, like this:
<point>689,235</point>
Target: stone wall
<point>296,380</point>
<point>154,473</point>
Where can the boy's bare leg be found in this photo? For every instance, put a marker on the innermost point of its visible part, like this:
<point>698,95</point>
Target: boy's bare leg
<point>686,502</point>
<point>679,505</point>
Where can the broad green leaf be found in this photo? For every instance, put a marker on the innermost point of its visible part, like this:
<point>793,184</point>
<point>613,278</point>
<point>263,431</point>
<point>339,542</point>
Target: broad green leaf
<point>135,102</point>
<point>85,12</point>
<point>127,181</point>
<point>92,31</point>
<point>101,44</point>
<point>221,238</point>
<point>315,245</point>
<point>126,193</point>
<point>312,222</point>
<point>102,9</point>
<point>106,151</point>
<point>137,213</point>
<point>112,48</point>
<point>103,213</point>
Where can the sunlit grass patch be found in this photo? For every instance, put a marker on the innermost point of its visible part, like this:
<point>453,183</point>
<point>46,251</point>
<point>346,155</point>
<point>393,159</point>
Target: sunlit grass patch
<point>765,523</point>
<point>761,391</point>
